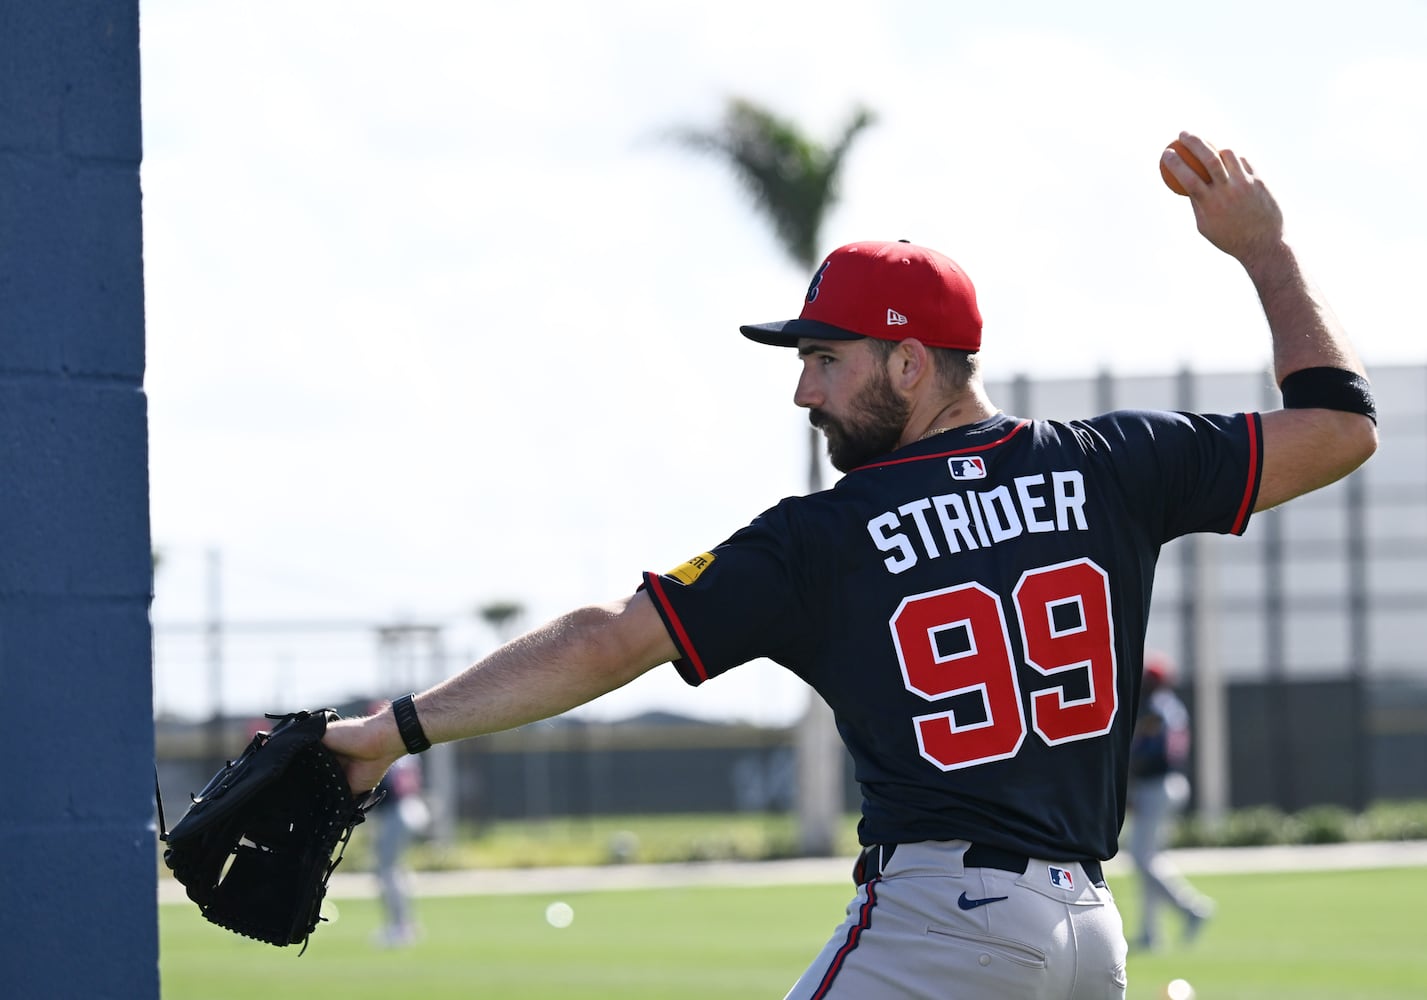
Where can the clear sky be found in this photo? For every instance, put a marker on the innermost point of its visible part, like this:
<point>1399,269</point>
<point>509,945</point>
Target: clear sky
<point>436,318</point>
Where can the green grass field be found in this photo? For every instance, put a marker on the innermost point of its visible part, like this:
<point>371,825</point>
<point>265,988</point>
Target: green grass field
<point>1305,936</point>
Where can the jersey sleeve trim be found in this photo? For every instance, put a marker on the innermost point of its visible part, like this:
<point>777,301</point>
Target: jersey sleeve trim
<point>690,665</point>
<point>1255,472</point>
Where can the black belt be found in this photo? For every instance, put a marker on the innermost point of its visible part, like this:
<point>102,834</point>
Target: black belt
<point>874,857</point>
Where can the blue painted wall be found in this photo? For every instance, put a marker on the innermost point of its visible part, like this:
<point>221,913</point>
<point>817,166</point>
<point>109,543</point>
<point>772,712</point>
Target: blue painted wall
<point>77,851</point>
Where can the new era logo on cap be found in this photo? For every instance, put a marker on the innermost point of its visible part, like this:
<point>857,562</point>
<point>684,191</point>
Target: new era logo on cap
<point>888,290</point>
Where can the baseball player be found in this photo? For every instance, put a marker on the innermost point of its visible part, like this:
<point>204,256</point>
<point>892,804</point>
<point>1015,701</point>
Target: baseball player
<point>970,599</point>
<point>1158,792</point>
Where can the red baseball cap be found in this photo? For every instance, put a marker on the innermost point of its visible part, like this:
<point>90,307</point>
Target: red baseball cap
<point>887,290</point>
<point>1159,669</point>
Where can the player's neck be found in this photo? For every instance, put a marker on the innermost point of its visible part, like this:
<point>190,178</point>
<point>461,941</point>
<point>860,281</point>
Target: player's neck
<point>968,407</point>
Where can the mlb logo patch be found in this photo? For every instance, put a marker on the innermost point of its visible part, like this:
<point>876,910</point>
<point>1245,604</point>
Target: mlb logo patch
<point>1061,879</point>
<point>967,468</point>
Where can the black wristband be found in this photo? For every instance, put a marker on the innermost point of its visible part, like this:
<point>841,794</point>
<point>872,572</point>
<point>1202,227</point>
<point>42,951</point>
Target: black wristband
<point>404,708</point>
<point>1328,389</point>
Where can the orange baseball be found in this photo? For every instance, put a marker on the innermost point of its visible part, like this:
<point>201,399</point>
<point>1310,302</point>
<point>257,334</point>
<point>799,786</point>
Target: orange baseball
<point>1184,154</point>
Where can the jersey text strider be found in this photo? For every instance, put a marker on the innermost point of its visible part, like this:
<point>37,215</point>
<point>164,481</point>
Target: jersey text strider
<point>973,608</point>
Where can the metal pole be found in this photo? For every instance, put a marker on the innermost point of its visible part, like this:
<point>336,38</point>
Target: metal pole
<point>441,760</point>
<point>1275,623</point>
<point>1211,772</point>
<point>1210,701</point>
<point>818,749</point>
<point>1359,636</point>
<point>213,633</point>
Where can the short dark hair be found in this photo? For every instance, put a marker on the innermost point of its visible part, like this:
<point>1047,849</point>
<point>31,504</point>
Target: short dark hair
<point>954,369</point>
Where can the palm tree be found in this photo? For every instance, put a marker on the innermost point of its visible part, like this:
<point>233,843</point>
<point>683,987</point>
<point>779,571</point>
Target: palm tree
<point>502,616</point>
<point>793,181</point>
<point>792,178</point>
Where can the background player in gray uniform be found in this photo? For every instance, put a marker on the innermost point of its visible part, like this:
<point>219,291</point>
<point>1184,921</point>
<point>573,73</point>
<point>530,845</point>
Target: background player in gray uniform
<point>970,599</point>
<point>1159,791</point>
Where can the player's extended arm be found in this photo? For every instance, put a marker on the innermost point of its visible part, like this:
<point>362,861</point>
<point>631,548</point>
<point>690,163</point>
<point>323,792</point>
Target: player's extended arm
<point>1304,448</point>
<point>564,664</point>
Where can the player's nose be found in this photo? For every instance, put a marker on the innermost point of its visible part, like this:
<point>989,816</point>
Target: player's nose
<point>807,394</point>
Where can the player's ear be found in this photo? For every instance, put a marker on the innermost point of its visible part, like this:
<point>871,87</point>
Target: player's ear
<point>910,363</point>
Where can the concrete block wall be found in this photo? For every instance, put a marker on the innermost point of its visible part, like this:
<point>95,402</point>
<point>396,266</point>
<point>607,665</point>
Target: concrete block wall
<point>77,879</point>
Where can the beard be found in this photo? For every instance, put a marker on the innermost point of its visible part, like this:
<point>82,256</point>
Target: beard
<point>872,428</point>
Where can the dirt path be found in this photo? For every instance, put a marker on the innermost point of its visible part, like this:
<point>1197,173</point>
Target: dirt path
<point>813,871</point>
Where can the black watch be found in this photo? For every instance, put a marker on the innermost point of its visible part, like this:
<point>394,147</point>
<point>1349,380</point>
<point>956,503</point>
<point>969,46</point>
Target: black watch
<point>404,708</point>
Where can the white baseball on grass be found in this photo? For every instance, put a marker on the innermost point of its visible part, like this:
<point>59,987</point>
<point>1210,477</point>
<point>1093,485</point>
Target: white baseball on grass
<point>559,914</point>
<point>1178,989</point>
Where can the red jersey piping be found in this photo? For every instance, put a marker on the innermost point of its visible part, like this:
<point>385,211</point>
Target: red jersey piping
<point>1022,425</point>
<point>864,921</point>
<point>1255,462</point>
<point>681,635</point>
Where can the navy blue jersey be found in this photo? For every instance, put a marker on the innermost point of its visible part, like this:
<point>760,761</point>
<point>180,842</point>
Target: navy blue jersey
<point>1160,744</point>
<point>973,608</point>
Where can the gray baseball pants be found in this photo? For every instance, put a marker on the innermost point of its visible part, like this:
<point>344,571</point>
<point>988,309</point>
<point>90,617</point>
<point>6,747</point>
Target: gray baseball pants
<point>928,925</point>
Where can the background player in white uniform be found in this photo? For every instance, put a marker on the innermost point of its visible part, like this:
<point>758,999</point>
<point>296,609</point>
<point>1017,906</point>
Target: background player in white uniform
<point>970,599</point>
